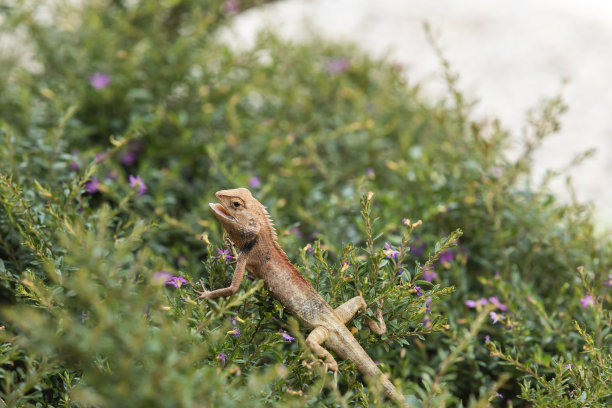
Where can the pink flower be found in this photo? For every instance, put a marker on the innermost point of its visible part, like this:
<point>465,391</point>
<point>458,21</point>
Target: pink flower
<point>137,182</point>
<point>587,301</point>
<point>99,80</point>
<point>231,7</point>
<point>163,277</point>
<point>475,303</point>
<point>337,66</point>
<point>497,303</point>
<point>254,182</point>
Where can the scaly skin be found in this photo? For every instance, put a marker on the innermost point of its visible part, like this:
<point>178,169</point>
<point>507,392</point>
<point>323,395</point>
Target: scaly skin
<point>247,222</point>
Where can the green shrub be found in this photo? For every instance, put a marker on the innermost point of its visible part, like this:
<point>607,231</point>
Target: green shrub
<point>311,129</point>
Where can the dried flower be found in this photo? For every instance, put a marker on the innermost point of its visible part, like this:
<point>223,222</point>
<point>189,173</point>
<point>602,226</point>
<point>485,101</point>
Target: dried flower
<point>99,80</point>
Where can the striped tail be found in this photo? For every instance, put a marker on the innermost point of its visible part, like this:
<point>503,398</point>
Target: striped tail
<point>348,348</point>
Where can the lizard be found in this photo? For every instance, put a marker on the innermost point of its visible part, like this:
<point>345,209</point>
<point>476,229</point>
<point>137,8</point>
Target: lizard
<point>251,229</point>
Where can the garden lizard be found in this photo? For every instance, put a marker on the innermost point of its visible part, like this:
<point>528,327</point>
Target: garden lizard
<point>250,228</point>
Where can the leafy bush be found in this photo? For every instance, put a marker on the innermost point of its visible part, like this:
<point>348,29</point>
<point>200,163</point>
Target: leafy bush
<point>132,115</point>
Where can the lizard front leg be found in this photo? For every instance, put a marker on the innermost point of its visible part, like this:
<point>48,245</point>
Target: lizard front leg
<point>314,340</point>
<point>233,288</point>
<point>347,310</point>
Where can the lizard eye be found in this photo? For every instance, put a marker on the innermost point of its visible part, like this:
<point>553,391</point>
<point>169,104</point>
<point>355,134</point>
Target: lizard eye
<point>236,204</point>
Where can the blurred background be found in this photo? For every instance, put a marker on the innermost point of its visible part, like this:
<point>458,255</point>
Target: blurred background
<point>508,54</point>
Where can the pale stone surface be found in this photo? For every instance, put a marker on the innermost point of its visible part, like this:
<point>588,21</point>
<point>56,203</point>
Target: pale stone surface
<point>509,53</point>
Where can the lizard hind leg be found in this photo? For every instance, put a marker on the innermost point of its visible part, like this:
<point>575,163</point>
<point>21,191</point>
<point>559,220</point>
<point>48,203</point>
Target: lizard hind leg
<point>347,310</point>
<point>314,340</point>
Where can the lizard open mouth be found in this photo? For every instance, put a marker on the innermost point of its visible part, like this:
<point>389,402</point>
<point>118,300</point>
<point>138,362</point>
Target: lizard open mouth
<point>218,209</point>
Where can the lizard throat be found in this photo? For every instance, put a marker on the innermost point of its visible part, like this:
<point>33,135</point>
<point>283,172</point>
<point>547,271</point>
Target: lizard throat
<point>247,246</point>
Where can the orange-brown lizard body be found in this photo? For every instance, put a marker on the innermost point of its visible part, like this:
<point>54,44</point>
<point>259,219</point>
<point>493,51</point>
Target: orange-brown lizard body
<point>247,222</point>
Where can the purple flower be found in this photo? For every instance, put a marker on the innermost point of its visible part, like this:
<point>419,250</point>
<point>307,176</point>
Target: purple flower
<point>377,362</point>
<point>99,80</point>
<point>162,277</point>
<point>427,322</point>
<point>498,395</point>
<point>419,249</point>
<point>233,320</point>
<point>224,255</point>
<point>137,182</point>
<point>254,182</point>
<point>419,291</point>
<point>587,301</point>
<point>99,157</point>
<point>310,249</point>
<point>337,66</point>
<point>496,317</point>
<point>427,302</point>
<point>222,357</point>
<point>404,221</point>
<point>474,303</point>
<point>446,257</point>
<point>231,7</point>
<point>128,158</point>
<point>83,316</point>
<point>487,339</point>
<point>429,274</point>
<point>177,281</point>
<point>609,281</point>
<point>370,173</point>
<point>237,333</point>
<point>287,337</point>
<point>296,231</point>
<point>390,252</point>
<point>93,185</point>
<point>569,366</point>
<point>74,165</point>
<point>497,303</point>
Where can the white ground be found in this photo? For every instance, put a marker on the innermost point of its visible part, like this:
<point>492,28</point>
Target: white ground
<point>509,54</point>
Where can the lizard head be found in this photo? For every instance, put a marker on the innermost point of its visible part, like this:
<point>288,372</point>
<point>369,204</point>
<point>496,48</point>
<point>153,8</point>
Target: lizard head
<point>241,215</point>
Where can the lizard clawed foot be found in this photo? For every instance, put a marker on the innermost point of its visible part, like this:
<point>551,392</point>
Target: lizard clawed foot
<point>329,363</point>
<point>203,293</point>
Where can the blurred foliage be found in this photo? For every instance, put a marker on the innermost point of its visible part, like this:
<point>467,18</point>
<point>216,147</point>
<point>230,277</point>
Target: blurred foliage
<point>100,101</point>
